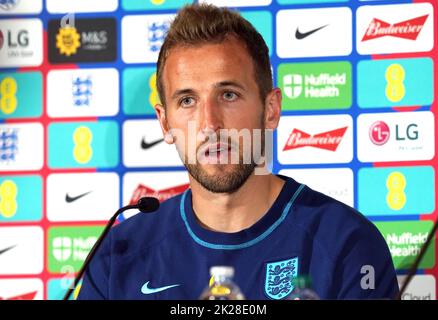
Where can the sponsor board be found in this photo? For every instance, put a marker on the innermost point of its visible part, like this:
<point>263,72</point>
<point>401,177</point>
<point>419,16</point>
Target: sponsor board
<point>151,29</point>
<point>21,146</point>
<point>83,144</point>
<point>82,196</point>
<point>21,250</point>
<point>394,28</point>
<point>396,191</point>
<point>21,198</point>
<point>315,86</point>
<point>314,32</point>
<point>336,183</point>
<point>21,42</point>
<point>68,247</point>
<point>315,139</point>
<point>395,136</point>
<point>395,82</point>
<point>21,95</point>
<point>83,93</point>
<point>405,239</point>
<point>87,40</point>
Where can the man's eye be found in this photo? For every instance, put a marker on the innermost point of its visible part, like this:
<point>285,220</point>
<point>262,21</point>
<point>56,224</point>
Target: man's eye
<point>186,102</point>
<point>230,96</point>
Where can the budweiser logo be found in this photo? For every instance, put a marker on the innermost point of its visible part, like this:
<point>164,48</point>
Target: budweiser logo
<point>408,29</point>
<point>329,140</point>
<point>161,195</point>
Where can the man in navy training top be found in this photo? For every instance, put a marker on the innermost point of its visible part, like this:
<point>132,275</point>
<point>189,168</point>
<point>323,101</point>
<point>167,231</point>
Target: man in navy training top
<point>214,74</point>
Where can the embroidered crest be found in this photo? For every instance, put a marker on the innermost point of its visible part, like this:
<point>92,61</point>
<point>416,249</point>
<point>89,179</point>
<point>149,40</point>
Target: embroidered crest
<point>279,276</point>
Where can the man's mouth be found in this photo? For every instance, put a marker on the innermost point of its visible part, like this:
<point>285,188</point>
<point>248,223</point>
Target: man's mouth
<point>215,153</point>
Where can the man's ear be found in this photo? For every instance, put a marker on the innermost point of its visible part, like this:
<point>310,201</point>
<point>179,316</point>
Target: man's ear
<point>272,108</point>
<point>160,111</point>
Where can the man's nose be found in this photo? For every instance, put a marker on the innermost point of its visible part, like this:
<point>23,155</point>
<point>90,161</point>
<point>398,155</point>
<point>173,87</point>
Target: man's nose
<point>211,116</point>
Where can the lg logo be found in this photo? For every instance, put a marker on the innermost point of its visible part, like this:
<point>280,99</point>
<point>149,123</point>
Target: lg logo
<point>411,133</point>
<point>21,39</point>
<point>380,132</point>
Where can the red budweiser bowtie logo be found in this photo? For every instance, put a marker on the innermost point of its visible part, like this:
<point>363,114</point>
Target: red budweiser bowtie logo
<point>329,140</point>
<point>26,296</point>
<point>161,195</point>
<point>408,29</point>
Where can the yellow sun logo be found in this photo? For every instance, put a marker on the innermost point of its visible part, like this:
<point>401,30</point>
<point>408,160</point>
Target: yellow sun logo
<point>68,40</point>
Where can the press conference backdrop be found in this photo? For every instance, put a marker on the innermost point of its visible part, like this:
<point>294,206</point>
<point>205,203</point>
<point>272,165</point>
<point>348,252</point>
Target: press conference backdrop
<point>79,138</point>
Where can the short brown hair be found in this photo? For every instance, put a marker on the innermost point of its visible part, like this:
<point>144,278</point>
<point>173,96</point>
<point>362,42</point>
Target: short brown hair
<point>199,24</point>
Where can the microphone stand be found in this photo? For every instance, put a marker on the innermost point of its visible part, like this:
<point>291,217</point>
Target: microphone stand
<point>145,205</point>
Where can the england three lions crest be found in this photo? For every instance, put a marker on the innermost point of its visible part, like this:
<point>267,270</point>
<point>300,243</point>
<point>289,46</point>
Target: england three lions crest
<point>279,276</point>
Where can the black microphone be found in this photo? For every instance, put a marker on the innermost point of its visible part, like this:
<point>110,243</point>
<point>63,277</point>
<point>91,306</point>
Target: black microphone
<point>415,265</point>
<point>145,205</point>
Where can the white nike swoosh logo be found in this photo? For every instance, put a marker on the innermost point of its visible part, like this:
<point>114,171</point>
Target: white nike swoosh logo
<point>146,290</point>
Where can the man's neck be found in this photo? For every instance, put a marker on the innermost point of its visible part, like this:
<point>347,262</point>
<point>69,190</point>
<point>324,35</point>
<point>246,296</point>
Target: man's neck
<point>234,212</point>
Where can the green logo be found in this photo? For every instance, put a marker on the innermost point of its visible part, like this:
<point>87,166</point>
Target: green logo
<point>315,86</point>
<point>405,239</point>
<point>69,247</point>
